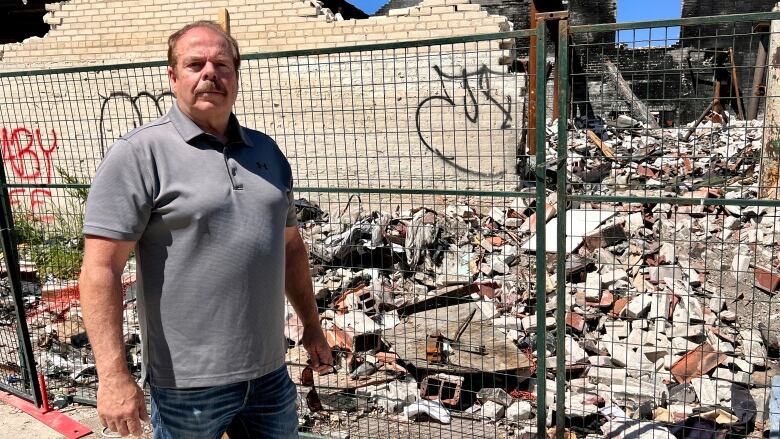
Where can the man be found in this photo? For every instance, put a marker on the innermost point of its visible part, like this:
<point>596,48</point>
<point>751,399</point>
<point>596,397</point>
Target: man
<point>207,205</point>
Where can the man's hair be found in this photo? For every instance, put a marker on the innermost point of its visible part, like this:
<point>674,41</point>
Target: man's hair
<point>208,24</point>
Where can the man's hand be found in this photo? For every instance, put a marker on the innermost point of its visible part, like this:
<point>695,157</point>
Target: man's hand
<point>121,405</point>
<point>298,286</point>
<point>317,346</point>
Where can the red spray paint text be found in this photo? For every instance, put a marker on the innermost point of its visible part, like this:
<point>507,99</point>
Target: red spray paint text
<point>27,157</point>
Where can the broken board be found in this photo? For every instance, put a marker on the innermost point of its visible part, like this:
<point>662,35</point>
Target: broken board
<point>409,340</point>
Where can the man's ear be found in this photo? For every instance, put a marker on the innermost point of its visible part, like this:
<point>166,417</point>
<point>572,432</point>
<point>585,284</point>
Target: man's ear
<point>172,79</point>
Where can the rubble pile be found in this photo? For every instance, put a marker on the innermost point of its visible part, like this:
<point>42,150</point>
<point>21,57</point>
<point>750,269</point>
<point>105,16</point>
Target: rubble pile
<point>432,311</point>
<point>656,340</point>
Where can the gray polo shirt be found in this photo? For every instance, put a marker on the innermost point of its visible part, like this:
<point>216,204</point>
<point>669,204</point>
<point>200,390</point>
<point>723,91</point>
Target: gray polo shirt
<point>209,224</point>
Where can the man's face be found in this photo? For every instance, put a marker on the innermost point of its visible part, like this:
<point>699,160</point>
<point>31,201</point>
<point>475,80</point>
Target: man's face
<point>204,80</point>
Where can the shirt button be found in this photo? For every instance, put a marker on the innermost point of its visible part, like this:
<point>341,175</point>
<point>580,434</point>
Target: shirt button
<point>233,170</point>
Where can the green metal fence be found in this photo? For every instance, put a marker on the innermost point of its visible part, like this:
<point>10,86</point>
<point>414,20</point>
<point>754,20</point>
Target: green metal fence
<point>639,298</point>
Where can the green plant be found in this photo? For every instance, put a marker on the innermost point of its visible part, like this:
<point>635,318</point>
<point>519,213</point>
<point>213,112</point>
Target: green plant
<point>55,247</point>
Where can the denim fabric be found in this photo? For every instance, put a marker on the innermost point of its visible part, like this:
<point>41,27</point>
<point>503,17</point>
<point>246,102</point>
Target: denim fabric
<point>260,408</point>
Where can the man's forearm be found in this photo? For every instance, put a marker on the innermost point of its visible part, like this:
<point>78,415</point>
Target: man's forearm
<point>298,283</point>
<point>101,303</point>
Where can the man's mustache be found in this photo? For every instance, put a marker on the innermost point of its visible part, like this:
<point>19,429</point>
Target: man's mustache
<point>209,87</point>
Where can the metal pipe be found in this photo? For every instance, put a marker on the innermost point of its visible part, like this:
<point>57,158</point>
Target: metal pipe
<point>541,260</point>
<point>560,269</point>
<point>533,78</point>
<point>11,258</point>
<point>44,393</point>
<point>735,84</point>
<point>758,79</point>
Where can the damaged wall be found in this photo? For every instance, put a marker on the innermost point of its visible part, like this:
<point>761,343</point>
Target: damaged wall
<point>432,103</point>
<point>112,31</point>
<point>704,37</point>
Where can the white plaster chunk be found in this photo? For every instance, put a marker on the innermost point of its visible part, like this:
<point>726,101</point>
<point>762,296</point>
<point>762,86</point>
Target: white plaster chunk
<point>393,396</point>
<point>519,411</point>
<point>752,349</point>
<point>574,352</point>
<point>638,306</point>
<point>740,265</point>
<point>705,390</point>
<point>721,373</point>
<point>434,409</point>
<point>659,307</point>
<point>616,329</point>
<point>492,411</point>
<point>601,361</point>
<point>682,345</point>
<point>593,286</point>
<point>719,344</point>
<point>610,276</point>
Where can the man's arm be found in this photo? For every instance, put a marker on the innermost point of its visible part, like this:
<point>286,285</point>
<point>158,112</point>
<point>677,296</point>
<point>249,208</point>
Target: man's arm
<point>121,404</point>
<point>298,287</point>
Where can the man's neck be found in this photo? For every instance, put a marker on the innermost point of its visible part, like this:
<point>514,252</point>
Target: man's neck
<point>217,127</point>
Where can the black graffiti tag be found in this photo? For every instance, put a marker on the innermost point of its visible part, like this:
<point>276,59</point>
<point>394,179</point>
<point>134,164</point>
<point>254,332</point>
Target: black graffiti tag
<point>153,104</point>
<point>470,105</point>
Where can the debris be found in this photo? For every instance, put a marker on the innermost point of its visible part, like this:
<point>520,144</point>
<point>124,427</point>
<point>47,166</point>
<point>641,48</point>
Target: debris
<point>767,279</point>
<point>638,108</point>
<point>492,411</point>
<point>432,409</point>
<point>519,411</point>
<point>697,362</point>
<point>442,387</point>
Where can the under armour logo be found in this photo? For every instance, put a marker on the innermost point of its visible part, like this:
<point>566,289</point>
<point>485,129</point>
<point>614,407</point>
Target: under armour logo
<point>262,166</point>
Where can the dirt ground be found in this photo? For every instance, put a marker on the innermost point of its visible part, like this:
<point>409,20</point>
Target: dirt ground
<point>16,424</point>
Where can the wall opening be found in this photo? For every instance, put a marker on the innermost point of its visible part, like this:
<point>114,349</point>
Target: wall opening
<point>22,19</point>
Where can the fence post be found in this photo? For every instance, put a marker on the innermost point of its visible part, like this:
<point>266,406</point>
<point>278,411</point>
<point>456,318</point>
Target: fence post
<point>541,198</point>
<point>770,161</point>
<point>29,373</point>
<point>560,285</point>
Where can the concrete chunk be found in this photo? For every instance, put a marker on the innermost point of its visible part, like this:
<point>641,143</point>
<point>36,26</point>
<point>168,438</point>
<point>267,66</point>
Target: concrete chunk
<point>752,349</point>
<point>722,373</point>
<point>574,352</point>
<point>638,306</point>
<point>519,411</point>
<point>706,391</point>
<point>492,411</point>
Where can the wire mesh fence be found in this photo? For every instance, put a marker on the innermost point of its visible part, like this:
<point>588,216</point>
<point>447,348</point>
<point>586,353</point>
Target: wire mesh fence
<point>605,273</point>
<point>673,121</point>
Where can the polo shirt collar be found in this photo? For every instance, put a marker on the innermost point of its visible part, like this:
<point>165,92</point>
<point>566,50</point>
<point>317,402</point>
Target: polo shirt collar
<point>189,130</point>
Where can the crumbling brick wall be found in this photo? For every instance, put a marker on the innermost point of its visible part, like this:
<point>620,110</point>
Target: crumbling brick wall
<point>448,107</point>
<point>114,31</point>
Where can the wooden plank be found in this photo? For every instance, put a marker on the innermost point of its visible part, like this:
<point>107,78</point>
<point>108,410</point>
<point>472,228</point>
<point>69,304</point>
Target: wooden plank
<point>408,340</point>
<point>638,108</point>
<point>608,153</point>
<point>224,20</point>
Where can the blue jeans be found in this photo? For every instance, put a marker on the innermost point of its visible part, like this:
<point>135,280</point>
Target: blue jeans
<point>261,408</point>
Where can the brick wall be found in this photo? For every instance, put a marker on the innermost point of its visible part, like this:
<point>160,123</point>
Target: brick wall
<point>114,31</point>
<point>444,116</point>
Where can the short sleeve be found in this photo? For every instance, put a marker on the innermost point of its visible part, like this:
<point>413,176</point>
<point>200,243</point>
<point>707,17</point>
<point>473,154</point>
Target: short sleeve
<point>122,194</point>
<point>292,217</point>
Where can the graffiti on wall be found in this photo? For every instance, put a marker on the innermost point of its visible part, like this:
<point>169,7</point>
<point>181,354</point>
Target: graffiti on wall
<point>469,104</point>
<point>27,155</point>
<point>121,112</point>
